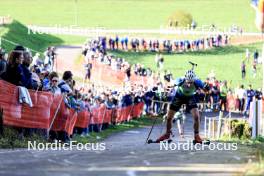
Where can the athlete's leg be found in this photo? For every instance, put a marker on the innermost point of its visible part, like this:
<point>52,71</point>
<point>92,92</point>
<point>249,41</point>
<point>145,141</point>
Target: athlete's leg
<point>196,120</point>
<point>174,107</point>
<point>170,116</point>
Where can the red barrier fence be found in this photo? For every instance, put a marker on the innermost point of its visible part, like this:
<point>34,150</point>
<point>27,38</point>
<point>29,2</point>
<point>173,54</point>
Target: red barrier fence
<point>116,77</point>
<point>21,115</point>
<point>50,112</point>
<point>83,119</point>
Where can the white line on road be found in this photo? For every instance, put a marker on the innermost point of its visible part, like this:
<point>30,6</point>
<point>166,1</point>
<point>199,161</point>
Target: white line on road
<point>201,168</point>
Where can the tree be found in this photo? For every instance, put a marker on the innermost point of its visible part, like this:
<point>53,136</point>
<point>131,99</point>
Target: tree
<point>180,19</point>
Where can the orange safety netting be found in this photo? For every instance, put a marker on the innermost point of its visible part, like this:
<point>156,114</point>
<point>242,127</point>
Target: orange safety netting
<point>123,114</point>
<point>108,76</point>
<point>97,115</point>
<point>65,119</point>
<point>21,115</point>
<point>108,116</point>
<point>83,119</point>
<point>137,110</point>
<point>50,112</point>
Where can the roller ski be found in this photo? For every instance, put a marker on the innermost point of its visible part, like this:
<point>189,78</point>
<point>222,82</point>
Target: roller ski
<point>198,140</point>
<point>163,138</point>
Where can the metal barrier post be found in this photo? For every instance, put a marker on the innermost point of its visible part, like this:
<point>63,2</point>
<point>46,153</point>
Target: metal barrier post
<point>219,124</point>
<point>205,126</point>
<point>57,110</point>
<point>209,128</point>
<point>229,119</point>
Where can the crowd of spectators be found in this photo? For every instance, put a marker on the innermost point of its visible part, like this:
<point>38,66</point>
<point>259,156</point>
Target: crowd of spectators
<point>165,45</point>
<point>214,100</point>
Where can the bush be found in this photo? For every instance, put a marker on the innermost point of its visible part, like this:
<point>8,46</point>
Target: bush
<point>180,19</point>
<point>240,129</point>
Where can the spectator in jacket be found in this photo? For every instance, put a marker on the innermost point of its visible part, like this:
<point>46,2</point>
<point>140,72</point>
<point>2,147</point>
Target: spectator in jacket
<point>14,70</point>
<point>65,83</point>
<point>27,80</point>
<point>53,84</point>
<point>3,62</point>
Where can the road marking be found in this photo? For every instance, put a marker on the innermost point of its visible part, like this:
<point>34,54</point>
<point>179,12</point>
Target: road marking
<point>201,168</point>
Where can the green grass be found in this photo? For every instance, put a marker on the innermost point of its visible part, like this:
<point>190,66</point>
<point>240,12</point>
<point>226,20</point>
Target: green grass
<point>17,32</point>
<point>225,62</point>
<point>129,13</point>
<point>256,148</point>
<point>12,139</point>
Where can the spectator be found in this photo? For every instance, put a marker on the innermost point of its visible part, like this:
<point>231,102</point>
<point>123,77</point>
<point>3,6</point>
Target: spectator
<point>250,94</point>
<point>223,95</point>
<point>241,94</point>
<point>14,70</point>
<point>44,77</point>
<point>161,61</point>
<point>255,56</point>
<point>214,96</point>
<point>53,83</point>
<point>27,80</point>
<point>243,69</point>
<point>37,60</point>
<point>88,68</point>
<point>3,62</point>
<point>128,73</point>
<point>65,83</point>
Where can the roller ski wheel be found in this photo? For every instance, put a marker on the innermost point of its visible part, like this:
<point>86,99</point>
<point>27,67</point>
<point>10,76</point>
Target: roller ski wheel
<point>205,142</point>
<point>150,141</point>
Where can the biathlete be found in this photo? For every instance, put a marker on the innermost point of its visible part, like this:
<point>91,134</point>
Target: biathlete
<point>185,91</point>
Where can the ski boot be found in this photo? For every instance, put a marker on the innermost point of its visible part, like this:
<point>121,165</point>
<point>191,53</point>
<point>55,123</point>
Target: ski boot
<point>165,137</point>
<point>199,140</point>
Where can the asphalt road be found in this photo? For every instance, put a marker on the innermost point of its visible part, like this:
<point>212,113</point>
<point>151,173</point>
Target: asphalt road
<point>127,154</point>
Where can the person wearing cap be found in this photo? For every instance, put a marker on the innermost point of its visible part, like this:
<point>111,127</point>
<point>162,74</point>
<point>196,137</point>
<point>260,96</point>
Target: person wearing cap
<point>53,84</point>
<point>185,93</point>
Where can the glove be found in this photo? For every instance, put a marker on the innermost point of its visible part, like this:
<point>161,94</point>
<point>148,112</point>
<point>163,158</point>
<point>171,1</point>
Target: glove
<point>206,87</point>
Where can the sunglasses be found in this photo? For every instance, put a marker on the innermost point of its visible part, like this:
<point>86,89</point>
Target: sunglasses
<point>189,82</point>
<point>54,80</point>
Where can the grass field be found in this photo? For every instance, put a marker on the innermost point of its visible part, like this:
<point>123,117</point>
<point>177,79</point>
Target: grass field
<point>17,32</point>
<point>128,13</point>
<point>224,61</point>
